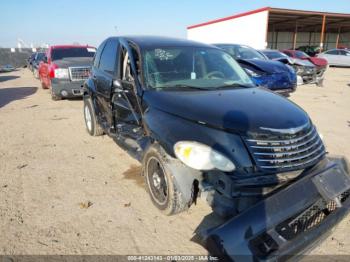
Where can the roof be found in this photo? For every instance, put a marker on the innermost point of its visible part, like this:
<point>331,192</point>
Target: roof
<point>230,17</point>
<point>306,21</point>
<point>285,19</point>
<point>269,51</point>
<point>70,46</point>
<point>151,41</point>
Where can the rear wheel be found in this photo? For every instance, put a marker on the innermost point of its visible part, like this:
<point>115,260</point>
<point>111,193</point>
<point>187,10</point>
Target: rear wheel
<point>92,126</point>
<point>160,183</point>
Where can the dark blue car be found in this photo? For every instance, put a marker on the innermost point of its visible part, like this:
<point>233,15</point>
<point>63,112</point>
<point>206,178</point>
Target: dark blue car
<point>273,75</point>
<point>191,115</point>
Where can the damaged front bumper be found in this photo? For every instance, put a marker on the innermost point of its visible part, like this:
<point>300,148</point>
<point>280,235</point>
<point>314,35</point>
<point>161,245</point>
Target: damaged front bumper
<point>288,223</point>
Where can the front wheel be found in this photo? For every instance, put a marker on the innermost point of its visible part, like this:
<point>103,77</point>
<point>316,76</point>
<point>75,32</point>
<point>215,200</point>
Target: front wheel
<point>160,183</point>
<point>54,97</point>
<point>92,126</point>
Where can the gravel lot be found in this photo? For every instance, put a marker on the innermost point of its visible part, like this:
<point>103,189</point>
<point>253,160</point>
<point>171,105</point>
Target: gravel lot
<point>64,192</point>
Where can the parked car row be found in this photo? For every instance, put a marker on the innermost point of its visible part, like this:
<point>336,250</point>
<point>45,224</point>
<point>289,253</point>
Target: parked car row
<point>195,118</point>
<point>305,70</point>
<point>339,56</point>
<point>273,75</point>
<point>299,68</point>
<point>63,69</point>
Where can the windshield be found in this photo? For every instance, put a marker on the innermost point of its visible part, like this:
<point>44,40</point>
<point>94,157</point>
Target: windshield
<point>190,67</point>
<point>300,54</point>
<point>61,53</point>
<point>274,54</point>
<point>39,56</point>
<point>242,52</point>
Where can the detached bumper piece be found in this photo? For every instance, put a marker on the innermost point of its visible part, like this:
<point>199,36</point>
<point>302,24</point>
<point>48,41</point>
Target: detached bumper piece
<point>288,223</point>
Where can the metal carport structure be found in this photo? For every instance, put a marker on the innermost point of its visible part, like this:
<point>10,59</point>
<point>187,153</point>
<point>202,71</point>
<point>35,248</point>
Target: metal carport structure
<point>292,28</point>
<point>276,28</point>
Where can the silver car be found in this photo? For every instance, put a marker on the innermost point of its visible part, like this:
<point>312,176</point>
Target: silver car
<point>336,57</point>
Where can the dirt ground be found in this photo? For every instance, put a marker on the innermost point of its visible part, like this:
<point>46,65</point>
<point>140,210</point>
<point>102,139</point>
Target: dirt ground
<point>64,192</point>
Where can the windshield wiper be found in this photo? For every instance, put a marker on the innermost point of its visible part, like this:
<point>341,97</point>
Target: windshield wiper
<point>184,86</point>
<point>236,85</point>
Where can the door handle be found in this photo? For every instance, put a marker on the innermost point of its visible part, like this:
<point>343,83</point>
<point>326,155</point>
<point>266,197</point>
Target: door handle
<point>120,90</point>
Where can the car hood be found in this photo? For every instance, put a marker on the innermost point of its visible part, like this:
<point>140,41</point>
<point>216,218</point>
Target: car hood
<point>73,61</point>
<point>242,110</point>
<point>297,61</point>
<point>317,61</point>
<point>267,66</point>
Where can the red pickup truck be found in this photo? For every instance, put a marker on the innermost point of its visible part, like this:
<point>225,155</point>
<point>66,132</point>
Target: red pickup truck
<point>65,68</point>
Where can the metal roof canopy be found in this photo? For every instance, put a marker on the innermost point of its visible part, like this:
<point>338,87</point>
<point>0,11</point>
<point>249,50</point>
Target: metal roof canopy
<point>290,20</point>
<point>287,20</point>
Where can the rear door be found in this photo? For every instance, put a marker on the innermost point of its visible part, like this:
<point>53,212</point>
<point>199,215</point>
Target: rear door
<point>332,57</point>
<point>104,75</point>
<point>344,57</point>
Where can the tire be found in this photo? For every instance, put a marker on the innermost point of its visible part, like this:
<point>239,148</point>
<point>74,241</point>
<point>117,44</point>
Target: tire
<point>53,96</point>
<point>92,126</point>
<point>36,73</point>
<point>160,182</point>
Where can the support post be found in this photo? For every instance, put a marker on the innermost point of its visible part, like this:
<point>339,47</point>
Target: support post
<point>338,35</point>
<point>295,35</point>
<point>322,32</point>
<point>310,38</point>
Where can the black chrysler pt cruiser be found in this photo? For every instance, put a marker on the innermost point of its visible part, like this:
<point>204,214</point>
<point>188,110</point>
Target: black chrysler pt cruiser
<point>200,127</point>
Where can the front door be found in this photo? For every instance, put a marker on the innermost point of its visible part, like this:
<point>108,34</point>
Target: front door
<point>126,99</point>
<point>103,75</point>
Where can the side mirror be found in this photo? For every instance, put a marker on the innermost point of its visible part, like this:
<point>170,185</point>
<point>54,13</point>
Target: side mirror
<point>117,83</point>
<point>283,60</point>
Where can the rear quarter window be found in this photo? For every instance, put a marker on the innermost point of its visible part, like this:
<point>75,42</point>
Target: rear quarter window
<point>97,56</point>
<point>108,61</point>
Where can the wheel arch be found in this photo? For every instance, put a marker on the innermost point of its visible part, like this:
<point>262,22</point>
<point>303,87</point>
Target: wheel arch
<point>185,178</point>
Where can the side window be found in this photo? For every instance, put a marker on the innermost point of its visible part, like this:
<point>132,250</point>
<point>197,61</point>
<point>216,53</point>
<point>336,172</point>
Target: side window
<point>332,52</point>
<point>98,54</point>
<point>342,52</point>
<point>108,61</point>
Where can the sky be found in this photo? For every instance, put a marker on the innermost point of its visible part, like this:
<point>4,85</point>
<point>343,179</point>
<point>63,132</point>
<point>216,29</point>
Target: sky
<point>90,22</point>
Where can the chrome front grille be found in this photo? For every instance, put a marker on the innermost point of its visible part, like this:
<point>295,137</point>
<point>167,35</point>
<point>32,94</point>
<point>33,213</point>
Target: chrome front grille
<point>287,152</point>
<point>79,73</point>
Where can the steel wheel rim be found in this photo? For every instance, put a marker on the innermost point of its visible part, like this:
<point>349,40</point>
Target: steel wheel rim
<point>88,118</point>
<point>157,181</point>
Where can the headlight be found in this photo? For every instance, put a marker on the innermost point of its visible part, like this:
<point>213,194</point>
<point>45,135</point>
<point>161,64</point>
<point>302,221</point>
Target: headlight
<point>252,73</point>
<point>61,73</point>
<point>201,157</point>
<point>299,69</point>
